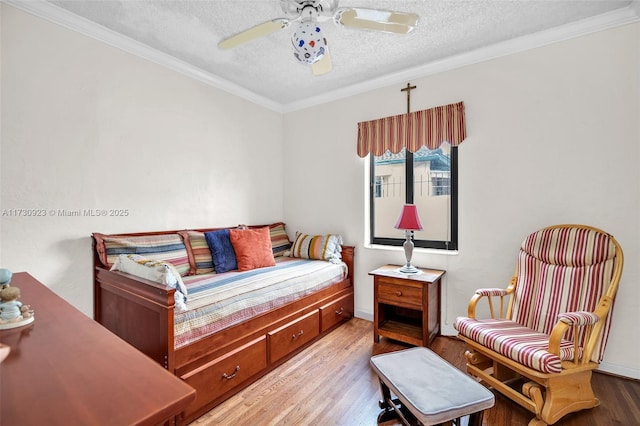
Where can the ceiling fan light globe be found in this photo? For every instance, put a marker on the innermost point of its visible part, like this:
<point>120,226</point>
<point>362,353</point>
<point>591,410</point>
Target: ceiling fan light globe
<point>309,43</point>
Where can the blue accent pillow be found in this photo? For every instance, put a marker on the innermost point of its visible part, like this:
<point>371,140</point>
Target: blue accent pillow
<point>222,253</point>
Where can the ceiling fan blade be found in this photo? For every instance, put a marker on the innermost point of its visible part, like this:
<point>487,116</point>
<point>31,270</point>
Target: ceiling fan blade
<point>322,66</point>
<point>378,20</point>
<point>253,33</point>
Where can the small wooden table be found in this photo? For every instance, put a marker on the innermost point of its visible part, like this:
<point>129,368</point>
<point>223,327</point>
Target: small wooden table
<point>65,368</point>
<point>406,306</point>
<point>428,390</point>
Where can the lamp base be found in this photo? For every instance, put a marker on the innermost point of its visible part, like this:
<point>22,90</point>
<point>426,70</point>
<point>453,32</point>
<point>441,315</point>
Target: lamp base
<point>409,269</point>
<point>408,251</point>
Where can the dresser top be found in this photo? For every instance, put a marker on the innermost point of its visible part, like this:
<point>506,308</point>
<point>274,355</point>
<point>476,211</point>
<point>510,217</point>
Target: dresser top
<point>64,367</point>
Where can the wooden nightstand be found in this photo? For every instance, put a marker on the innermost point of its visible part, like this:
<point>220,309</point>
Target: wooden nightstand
<point>406,306</point>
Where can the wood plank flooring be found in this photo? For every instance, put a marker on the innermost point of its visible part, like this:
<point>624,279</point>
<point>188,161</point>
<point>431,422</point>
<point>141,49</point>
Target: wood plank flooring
<point>331,383</point>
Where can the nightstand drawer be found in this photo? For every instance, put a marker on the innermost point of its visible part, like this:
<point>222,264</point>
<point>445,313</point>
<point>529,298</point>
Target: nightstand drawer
<point>399,295</point>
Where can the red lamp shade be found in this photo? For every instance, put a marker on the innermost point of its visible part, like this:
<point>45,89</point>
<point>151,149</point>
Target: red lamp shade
<point>409,219</point>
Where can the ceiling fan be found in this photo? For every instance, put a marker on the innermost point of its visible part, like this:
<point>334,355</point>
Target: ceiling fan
<point>309,44</point>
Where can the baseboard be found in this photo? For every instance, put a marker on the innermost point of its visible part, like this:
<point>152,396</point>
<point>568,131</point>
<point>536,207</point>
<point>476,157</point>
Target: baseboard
<point>619,370</point>
<point>363,315</point>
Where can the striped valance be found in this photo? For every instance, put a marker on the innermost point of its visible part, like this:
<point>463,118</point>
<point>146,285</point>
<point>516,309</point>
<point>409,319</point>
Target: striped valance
<point>429,127</point>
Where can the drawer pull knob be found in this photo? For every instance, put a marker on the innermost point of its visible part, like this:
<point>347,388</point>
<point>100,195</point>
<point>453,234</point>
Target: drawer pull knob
<point>338,313</point>
<point>295,336</point>
<point>398,293</point>
<point>232,375</point>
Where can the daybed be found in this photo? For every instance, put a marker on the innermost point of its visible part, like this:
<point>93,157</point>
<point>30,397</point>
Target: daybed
<point>234,326</point>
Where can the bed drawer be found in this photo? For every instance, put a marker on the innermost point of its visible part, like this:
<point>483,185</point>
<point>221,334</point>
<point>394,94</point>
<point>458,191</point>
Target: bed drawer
<point>290,337</point>
<point>215,378</point>
<point>335,312</point>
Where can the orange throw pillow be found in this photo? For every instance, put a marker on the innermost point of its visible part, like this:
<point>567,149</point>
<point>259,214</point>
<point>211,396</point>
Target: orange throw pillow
<point>252,247</point>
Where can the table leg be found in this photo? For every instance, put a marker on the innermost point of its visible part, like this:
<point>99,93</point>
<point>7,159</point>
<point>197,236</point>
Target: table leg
<point>392,409</point>
<point>386,404</point>
<point>475,419</point>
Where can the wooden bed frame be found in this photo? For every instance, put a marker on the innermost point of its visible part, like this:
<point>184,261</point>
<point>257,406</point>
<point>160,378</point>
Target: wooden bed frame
<point>217,366</point>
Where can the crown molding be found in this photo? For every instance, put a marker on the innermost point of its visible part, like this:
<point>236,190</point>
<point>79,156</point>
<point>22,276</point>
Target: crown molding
<point>55,14</point>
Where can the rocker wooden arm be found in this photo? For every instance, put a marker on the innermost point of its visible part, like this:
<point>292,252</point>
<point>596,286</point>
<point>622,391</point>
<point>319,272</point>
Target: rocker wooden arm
<point>592,321</point>
<point>574,320</point>
<point>490,293</point>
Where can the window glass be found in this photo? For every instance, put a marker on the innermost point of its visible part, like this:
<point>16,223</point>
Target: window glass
<point>432,178</point>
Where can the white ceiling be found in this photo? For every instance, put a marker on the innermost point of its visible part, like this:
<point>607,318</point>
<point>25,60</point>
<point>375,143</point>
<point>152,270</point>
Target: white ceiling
<point>183,34</point>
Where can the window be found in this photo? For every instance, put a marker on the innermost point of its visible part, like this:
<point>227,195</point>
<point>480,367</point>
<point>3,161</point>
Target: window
<point>424,172</point>
<point>432,186</point>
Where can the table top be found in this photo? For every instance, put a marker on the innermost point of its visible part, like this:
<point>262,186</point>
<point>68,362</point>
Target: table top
<point>65,368</point>
<point>423,274</point>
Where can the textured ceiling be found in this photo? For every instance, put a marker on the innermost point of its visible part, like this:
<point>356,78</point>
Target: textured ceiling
<point>190,31</point>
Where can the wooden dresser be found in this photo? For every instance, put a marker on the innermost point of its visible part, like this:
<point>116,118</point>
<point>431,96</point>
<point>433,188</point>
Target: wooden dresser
<point>406,306</point>
<point>65,368</point>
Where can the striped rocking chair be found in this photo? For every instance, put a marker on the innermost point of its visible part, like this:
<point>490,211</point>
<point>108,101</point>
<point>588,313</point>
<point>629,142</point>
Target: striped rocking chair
<point>548,329</point>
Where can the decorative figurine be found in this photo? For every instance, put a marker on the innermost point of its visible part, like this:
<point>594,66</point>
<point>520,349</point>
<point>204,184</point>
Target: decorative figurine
<point>12,312</point>
<point>10,306</point>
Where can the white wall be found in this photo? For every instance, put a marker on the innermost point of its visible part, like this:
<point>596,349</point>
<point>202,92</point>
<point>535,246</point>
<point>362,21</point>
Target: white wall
<point>87,126</point>
<point>553,137</point>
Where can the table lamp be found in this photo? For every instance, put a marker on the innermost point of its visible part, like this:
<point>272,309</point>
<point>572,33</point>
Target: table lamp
<point>409,221</point>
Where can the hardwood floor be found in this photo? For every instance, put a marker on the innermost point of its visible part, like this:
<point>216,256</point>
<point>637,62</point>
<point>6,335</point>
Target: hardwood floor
<point>331,383</point>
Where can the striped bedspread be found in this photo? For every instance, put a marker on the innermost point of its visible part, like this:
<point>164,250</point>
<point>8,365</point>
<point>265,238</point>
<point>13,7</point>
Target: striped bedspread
<point>218,301</point>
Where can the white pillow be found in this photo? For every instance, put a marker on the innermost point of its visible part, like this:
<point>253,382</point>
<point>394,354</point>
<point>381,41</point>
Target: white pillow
<point>153,270</point>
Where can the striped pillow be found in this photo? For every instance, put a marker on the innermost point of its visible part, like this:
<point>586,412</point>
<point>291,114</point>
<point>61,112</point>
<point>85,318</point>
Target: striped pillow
<point>320,247</point>
<point>280,242</point>
<point>165,247</point>
<point>199,252</point>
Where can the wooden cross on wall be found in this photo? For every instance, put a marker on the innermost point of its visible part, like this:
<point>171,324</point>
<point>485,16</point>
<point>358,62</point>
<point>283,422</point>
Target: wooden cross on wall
<point>408,89</point>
